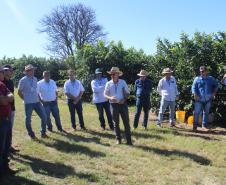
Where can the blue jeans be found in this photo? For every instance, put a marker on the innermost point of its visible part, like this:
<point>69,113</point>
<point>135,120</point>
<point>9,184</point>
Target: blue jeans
<point>199,108</point>
<point>38,108</point>
<point>100,108</point>
<point>4,143</point>
<point>145,104</point>
<point>52,107</point>
<point>165,104</point>
<point>78,107</point>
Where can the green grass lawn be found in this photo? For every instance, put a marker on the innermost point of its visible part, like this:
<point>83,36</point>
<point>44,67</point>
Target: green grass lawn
<point>159,156</point>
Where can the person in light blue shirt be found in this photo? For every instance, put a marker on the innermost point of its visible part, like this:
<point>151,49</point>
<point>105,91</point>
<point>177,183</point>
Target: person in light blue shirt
<point>204,88</point>
<point>101,102</point>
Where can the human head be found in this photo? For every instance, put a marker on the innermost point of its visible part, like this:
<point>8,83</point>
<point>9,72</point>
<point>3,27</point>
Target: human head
<point>203,71</point>
<point>143,74</point>
<point>8,71</point>
<point>115,73</point>
<point>1,74</point>
<point>98,73</point>
<point>167,72</point>
<point>46,75</point>
<point>29,70</point>
<point>71,74</point>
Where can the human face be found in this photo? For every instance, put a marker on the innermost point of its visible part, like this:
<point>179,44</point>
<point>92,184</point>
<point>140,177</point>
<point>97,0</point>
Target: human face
<point>72,76</point>
<point>142,78</point>
<point>46,77</point>
<point>30,72</point>
<point>203,73</point>
<point>99,75</point>
<point>115,76</point>
<point>8,73</point>
<point>168,75</point>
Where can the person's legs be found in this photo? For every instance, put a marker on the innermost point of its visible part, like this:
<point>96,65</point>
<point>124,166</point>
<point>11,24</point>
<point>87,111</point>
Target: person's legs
<point>39,109</point>
<point>56,114</point>
<point>115,116</point>
<point>12,116</point>
<point>197,111</point>
<point>100,110</point>
<point>138,111</point>
<point>206,111</point>
<point>172,105</point>
<point>47,108</point>
<point>125,118</point>
<point>164,104</point>
<point>146,108</point>
<point>28,112</point>
<point>71,107</point>
<point>78,108</point>
<point>108,113</point>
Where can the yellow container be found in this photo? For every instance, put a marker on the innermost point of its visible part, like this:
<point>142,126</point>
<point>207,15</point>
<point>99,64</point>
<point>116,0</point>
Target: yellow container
<point>180,116</point>
<point>190,120</point>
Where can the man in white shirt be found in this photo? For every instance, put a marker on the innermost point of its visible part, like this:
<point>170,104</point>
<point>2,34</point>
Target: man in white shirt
<point>101,102</point>
<point>117,91</point>
<point>167,89</point>
<point>74,90</point>
<point>47,91</point>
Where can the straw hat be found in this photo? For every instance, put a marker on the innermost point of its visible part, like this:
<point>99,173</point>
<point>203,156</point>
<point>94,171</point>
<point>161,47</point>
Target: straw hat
<point>29,67</point>
<point>115,70</point>
<point>166,71</point>
<point>143,73</point>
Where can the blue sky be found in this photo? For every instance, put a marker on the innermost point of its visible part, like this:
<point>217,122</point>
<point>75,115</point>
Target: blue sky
<point>136,23</point>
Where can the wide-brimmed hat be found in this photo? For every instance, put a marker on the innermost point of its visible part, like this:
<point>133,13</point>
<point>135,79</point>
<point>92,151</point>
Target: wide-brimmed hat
<point>115,70</point>
<point>29,67</point>
<point>166,71</point>
<point>143,73</point>
<point>98,71</point>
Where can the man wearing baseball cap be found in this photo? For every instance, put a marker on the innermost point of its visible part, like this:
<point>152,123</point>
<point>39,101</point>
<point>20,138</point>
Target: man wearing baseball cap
<point>27,90</point>
<point>204,88</point>
<point>143,87</point>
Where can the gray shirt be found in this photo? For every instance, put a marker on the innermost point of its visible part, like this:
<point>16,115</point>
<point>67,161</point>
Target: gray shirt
<point>28,87</point>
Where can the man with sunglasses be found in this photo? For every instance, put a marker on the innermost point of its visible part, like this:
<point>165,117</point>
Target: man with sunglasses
<point>117,91</point>
<point>204,88</point>
<point>8,72</point>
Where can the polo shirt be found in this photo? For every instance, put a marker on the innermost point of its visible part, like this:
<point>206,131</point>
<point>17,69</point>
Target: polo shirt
<point>73,87</point>
<point>120,89</point>
<point>5,110</point>
<point>47,90</point>
<point>28,87</point>
<point>98,86</point>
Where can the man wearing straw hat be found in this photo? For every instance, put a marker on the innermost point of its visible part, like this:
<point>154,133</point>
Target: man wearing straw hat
<point>204,88</point>
<point>117,91</point>
<point>167,89</point>
<point>143,87</point>
<point>27,90</point>
<point>101,102</point>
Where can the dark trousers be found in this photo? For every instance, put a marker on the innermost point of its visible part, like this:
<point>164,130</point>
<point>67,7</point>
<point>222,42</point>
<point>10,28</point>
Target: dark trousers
<point>52,107</point>
<point>142,102</point>
<point>121,109</point>
<point>100,108</point>
<point>4,143</point>
<point>78,107</point>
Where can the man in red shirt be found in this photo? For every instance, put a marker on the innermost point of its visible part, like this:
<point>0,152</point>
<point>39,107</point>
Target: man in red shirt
<point>5,112</point>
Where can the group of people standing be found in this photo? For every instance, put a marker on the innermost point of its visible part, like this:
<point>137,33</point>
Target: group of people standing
<point>108,96</point>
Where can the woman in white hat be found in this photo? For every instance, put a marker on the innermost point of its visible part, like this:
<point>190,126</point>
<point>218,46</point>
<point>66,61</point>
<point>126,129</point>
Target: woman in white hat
<point>117,91</point>
<point>167,89</point>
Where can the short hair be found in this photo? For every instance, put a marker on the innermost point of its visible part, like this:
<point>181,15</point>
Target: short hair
<point>71,71</point>
<point>203,68</point>
<point>46,73</point>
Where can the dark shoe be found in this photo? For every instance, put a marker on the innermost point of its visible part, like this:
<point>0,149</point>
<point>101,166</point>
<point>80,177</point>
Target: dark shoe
<point>83,128</point>
<point>44,136</point>
<point>50,129</point>
<point>13,150</point>
<point>9,171</point>
<point>62,130</point>
<point>118,142</point>
<point>34,138</point>
<point>194,129</point>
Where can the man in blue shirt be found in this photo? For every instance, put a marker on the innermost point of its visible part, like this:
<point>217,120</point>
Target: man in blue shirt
<point>143,87</point>
<point>204,89</point>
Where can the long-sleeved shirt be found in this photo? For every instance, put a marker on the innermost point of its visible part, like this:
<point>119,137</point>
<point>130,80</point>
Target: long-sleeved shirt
<point>143,88</point>
<point>98,86</point>
<point>168,89</point>
<point>204,87</point>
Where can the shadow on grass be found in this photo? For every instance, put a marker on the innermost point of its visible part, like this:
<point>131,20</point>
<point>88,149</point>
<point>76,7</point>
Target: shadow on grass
<point>102,134</point>
<point>67,147</point>
<point>96,140</point>
<point>146,135</point>
<point>196,158</point>
<point>17,180</point>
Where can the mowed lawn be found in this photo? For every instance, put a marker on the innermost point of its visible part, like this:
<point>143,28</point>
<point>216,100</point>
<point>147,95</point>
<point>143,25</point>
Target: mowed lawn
<point>159,156</point>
